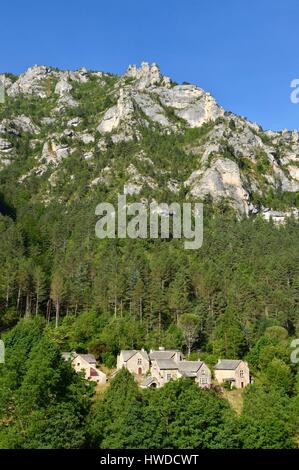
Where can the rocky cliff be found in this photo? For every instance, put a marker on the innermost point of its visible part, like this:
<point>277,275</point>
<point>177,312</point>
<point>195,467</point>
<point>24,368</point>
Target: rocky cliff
<point>112,125</point>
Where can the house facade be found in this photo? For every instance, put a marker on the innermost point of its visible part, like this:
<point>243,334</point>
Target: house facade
<point>86,363</point>
<point>137,362</point>
<point>162,366</point>
<point>197,370</point>
<point>164,370</point>
<point>236,372</point>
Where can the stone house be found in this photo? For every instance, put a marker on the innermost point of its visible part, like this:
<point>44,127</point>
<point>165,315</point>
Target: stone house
<point>234,371</point>
<point>86,363</point>
<point>164,354</point>
<point>164,370</point>
<point>197,370</point>
<point>137,362</point>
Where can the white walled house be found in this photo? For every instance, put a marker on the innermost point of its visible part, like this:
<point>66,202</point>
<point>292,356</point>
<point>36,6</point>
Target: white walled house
<point>197,370</point>
<point>234,371</point>
<point>88,364</point>
<point>164,370</point>
<point>137,362</point>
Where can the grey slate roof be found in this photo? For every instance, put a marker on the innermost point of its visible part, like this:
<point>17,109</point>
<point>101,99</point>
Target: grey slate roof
<point>162,354</point>
<point>88,358</point>
<point>166,364</point>
<point>148,381</point>
<point>73,354</point>
<point>227,364</point>
<point>190,366</point>
<point>144,354</point>
<point>128,353</point>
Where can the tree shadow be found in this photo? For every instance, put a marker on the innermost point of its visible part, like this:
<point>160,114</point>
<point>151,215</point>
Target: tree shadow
<point>6,209</point>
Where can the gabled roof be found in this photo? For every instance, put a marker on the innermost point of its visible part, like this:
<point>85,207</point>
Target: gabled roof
<point>166,364</point>
<point>227,364</point>
<point>189,368</point>
<point>72,355</point>
<point>128,353</point>
<point>149,381</point>
<point>162,354</point>
<point>88,358</point>
<point>144,354</point>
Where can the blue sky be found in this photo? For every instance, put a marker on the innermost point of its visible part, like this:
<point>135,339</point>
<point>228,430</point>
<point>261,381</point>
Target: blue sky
<point>243,51</point>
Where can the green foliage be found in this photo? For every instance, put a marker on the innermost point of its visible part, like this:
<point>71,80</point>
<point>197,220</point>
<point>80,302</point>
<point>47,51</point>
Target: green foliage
<point>45,403</point>
<point>265,420</point>
<point>178,416</point>
<point>239,292</point>
<point>229,336</point>
<point>263,165</point>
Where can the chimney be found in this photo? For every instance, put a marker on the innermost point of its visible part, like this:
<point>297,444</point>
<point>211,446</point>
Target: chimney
<point>161,348</point>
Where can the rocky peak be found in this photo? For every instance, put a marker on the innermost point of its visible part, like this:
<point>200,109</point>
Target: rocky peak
<point>228,157</point>
<point>146,75</point>
<point>31,82</point>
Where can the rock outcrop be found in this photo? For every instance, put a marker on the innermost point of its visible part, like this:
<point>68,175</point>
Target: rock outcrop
<point>221,180</point>
<point>231,158</point>
<point>32,82</point>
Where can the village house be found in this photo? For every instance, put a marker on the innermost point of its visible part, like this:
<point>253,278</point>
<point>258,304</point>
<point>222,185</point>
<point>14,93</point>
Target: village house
<point>165,365</point>
<point>137,362</point>
<point>236,372</point>
<point>197,370</point>
<point>164,354</point>
<point>164,370</point>
<point>86,363</point>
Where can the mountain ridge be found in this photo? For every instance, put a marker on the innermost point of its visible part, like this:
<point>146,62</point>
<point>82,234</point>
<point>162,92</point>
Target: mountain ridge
<point>222,155</point>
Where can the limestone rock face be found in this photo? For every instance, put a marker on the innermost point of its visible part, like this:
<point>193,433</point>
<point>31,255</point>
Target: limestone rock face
<point>145,76</point>
<point>224,156</point>
<point>6,153</point>
<point>32,82</point>
<point>294,172</point>
<point>5,81</point>
<point>53,153</point>
<point>5,145</point>
<point>190,103</point>
<point>124,110</point>
<point>222,180</point>
<point>151,109</point>
<point>63,89</point>
<point>18,125</point>
<point>156,98</point>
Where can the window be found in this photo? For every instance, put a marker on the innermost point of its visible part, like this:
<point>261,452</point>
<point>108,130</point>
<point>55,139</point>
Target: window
<point>203,372</point>
<point>139,362</point>
<point>203,380</point>
<point>168,376</point>
<point>241,373</point>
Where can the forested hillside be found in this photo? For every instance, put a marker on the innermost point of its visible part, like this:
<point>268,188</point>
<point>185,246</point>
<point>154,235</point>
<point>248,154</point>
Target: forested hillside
<point>70,140</point>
